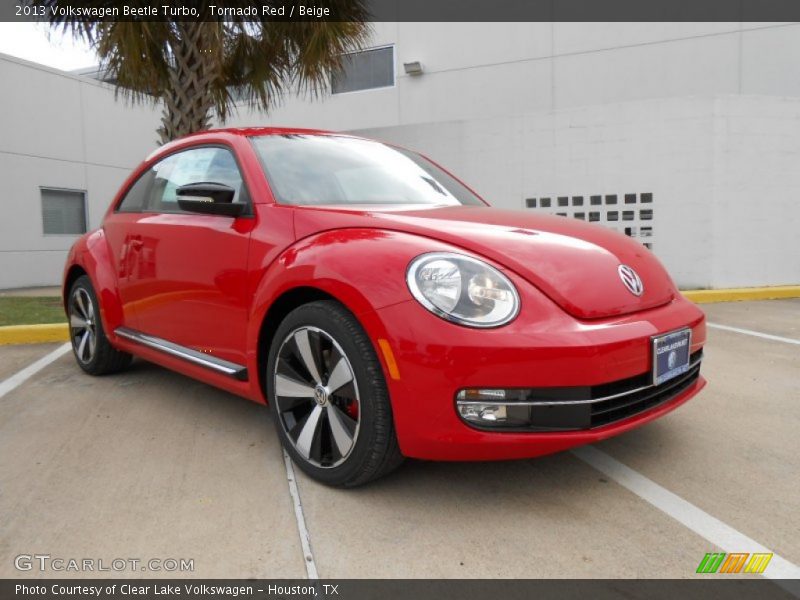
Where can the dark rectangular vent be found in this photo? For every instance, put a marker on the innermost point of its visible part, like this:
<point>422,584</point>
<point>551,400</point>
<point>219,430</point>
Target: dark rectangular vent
<point>638,215</point>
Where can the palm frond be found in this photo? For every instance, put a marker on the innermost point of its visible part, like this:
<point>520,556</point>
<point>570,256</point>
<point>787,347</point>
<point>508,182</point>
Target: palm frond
<point>236,59</point>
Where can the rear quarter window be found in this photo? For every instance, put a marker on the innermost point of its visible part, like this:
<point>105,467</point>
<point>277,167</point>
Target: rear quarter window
<point>138,194</point>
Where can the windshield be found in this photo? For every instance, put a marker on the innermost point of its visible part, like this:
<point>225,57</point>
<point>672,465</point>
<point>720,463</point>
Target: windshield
<point>335,169</point>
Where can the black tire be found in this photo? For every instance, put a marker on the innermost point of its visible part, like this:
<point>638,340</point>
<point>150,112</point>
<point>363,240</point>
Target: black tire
<point>90,346</point>
<point>330,333</point>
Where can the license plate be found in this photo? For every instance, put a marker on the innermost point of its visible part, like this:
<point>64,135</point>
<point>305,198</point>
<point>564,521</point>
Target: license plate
<point>671,355</point>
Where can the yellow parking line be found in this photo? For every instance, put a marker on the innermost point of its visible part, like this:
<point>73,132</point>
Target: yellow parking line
<point>34,334</point>
<point>741,294</point>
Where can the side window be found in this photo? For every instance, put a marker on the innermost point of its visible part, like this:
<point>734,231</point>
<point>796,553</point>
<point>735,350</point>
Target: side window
<point>138,194</point>
<point>212,165</point>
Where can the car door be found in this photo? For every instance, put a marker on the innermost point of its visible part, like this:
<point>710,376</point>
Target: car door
<point>186,273</point>
<point>121,232</point>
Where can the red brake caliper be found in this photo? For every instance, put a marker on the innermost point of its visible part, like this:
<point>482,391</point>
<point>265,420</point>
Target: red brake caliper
<point>352,409</point>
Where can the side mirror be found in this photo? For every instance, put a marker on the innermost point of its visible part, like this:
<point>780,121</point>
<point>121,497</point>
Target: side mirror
<point>209,199</point>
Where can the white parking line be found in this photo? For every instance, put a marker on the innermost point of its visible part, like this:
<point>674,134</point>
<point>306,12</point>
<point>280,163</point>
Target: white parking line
<point>766,336</point>
<point>22,376</point>
<point>703,524</point>
<point>305,540</point>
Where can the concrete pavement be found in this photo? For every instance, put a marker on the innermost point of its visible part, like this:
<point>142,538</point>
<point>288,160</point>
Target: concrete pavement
<point>150,464</point>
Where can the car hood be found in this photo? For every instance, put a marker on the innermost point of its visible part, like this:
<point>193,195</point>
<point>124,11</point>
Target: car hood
<point>573,262</point>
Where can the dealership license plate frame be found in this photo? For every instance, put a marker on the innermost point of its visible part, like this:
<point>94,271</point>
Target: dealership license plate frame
<point>662,373</point>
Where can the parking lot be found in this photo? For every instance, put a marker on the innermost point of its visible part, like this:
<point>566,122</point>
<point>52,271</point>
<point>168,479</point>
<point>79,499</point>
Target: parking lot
<point>150,464</point>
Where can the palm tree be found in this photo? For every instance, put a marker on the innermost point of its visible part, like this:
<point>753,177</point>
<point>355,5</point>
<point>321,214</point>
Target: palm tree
<point>197,69</point>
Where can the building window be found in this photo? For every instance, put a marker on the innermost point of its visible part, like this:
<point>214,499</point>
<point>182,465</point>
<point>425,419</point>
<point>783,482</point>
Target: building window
<point>63,211</point>
<point>365,70</point>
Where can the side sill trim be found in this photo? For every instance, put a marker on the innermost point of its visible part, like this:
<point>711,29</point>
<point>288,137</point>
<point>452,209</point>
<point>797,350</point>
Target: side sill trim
<point>189,355</point>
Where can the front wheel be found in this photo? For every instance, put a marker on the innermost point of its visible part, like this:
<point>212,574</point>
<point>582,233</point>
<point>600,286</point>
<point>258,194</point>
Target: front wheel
<point>92,350</point>
<point>329,398</point>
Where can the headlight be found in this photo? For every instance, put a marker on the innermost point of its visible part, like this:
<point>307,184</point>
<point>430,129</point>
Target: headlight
<point>462,289</point>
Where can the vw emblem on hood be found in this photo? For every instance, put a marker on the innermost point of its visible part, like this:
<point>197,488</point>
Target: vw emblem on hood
<point>631,280</point>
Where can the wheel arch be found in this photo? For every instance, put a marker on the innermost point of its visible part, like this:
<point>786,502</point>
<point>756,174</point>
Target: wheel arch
<point>362,269</point>
<point>276,313</point>
<point>73,274</point>
<point>91,256</point>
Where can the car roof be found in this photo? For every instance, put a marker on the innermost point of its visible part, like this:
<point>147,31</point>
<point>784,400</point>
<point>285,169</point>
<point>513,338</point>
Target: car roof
<point>212,135</point>
<point>250,131</point>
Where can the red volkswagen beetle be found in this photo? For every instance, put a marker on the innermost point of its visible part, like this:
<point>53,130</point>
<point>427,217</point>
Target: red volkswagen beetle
<point>377,304</point>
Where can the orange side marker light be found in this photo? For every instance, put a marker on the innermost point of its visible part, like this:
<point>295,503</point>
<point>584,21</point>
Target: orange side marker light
<point>388,356</point>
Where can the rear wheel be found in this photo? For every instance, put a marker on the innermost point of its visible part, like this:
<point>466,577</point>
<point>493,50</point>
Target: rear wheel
<point>91,347</point>
<point>329,398</point>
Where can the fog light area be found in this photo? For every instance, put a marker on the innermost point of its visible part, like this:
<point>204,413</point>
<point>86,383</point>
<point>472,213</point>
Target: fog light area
<point>511,409</point>
<point>480,413</point>
<point>493,407</point>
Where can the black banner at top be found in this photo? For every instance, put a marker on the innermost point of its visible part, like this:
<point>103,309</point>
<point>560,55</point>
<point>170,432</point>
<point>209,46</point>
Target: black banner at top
<point>408,10</point>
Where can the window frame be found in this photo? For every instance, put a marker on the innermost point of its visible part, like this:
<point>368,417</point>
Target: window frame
<point>371,89</point>
<point>247,214</point>
<point>51,188</point>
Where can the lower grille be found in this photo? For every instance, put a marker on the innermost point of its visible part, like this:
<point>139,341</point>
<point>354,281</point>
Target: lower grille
<point>585,407</point>
<point>632,403</point>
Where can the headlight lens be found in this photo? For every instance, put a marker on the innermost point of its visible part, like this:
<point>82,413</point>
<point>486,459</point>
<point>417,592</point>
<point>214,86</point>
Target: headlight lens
<point>462,289</point>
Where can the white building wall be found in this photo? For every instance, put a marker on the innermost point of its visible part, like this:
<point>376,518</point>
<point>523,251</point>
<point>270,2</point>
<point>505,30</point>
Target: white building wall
<point>480,70</point>
<point>61,131</point>
<point>756,218</point>
<point>702,115</point>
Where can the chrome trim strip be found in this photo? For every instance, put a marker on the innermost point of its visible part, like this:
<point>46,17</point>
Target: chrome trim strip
<point>666,385</point>
<point>193,356</point>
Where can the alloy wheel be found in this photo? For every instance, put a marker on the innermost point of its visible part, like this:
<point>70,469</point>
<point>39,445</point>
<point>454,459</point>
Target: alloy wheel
<point>83,325</point>
<point>316,397</point>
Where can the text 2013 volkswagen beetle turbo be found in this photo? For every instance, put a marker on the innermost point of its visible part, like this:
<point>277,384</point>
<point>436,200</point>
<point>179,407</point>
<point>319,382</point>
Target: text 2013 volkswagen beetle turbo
<point>378,305</point>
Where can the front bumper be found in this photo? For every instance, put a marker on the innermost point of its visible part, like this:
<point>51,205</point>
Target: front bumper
<point>436,359</point>
<point>571,408</point>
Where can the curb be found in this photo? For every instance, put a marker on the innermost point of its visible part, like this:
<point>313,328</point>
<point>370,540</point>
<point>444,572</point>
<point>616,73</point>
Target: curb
<point>742,294</point>
<point>34,334</point>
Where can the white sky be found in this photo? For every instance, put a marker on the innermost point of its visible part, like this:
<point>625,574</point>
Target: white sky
<point>38,42</point>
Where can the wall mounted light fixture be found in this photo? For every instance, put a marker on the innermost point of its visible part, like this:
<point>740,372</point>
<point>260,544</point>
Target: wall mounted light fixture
<point>413,68</point>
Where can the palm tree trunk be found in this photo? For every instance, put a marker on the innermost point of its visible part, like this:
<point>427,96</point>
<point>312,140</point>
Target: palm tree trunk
<point>188,103</point>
